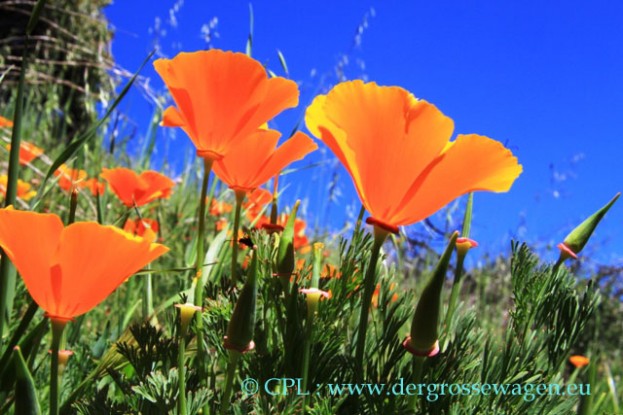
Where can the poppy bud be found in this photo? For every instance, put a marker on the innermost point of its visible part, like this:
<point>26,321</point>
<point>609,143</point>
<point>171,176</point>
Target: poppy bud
<point>242,324</point>
<point>285,253</point>
<point>575,241</point>
<point>187,312</point>
<point>424,328</point>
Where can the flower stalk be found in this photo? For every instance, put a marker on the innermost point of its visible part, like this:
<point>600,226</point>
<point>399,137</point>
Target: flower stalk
<point>58,326</point>
<point>201,352</point>
<point>369,282</point>
<point>234,253</point>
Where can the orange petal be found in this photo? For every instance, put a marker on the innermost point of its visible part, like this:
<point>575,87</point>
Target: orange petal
<point>239,169</point>
<point>95,260</point>
<point>293,149</point>
<point>472,163</point>
<point>172,118</point>
<point>30,240</point>
<point>123,182</point>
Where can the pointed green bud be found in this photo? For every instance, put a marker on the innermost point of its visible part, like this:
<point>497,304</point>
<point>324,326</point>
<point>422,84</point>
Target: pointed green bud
<point>575,241</point>
<point>242,324</point>
<point>26,402</point>
<point>285,254</point>
<point>424,327</point>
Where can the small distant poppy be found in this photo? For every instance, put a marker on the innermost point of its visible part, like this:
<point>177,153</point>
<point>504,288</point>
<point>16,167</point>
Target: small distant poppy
<point>221,97</point>
<point>397,150</point>
<point>70,179</point>
<point>5,122</point>
<point>134,189</point>
<point>74,268</point>
<point>95,186</point>
<point>27,152</point>
<point>143,227</point>
<point>24,190</point>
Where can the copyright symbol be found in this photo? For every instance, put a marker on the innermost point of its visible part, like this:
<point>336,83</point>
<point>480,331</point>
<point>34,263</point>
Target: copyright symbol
<point>250,386</point>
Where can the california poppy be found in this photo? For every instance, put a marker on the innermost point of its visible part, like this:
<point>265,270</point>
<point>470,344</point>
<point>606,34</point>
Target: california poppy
<point>397,151</point>
<point>95,186</point>
<point>220,97</point>
<point>219,207</point>
<point>134,189</point>
<point>254,159</point>
<point>4,122</point>
<point>256,202</point>
<point>24,190</point>
<point>27,152</point>
<point>143,227</point>
<point>74,268</point>
<point>69,179</point>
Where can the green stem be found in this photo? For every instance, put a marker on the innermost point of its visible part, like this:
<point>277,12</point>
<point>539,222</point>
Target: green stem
<point>182,374</point>
<point>201,350</point>
<point>148,297</point>
<point>73,205</point>
<point>234,356</point>
<point>234,253</point>
<point>368,289</point>
<point>311,311</point>
<point>58,325</point>
<point>207,166</point>
<point>418,366</point>
<point>98,207</point>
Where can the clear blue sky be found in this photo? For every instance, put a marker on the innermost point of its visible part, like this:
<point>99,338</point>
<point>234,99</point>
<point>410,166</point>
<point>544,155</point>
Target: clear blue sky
<point>543,77</point>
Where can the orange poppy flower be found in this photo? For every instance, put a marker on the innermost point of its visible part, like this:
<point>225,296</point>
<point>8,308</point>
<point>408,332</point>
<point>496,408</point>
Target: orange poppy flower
<point>254,159</point>
<point>4,122</point>
<point>27,152</point>
<point>219,207</point>
<point>397,151</point>
<point>95,186</point>
<point>24,190</point>
<point>255,202</point>
<point>132,188</point>
<point>145,228</point>
<point>70,178</point>
<point>74,268</point>
<point>220,97</point>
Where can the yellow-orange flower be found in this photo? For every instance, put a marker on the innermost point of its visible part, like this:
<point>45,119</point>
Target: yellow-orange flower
<point>254,159</point>
<point>4,122</point>
<point>24,190</point>
<point>69,178</point>
<point>220,97</point>
<point>397,151</point>
<point>73,268</point>
<point>132,188</point>
<point>27,152</point>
